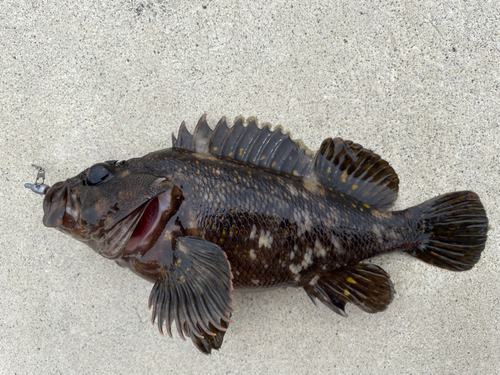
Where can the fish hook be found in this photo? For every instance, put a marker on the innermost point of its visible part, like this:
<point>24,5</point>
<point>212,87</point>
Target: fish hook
<point>38,187</point>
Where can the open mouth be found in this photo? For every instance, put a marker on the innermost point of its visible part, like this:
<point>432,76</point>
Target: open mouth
<point>150,224</point>
<point>135,233</point>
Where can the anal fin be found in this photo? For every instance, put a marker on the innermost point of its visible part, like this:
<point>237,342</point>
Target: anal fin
<point>364,285</point>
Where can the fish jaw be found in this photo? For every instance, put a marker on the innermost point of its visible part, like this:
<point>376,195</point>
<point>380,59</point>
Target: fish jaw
<point>137,230</point>
<point>60,207</point>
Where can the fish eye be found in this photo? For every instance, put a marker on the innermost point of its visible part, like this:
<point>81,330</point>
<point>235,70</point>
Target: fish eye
<point>97,174</point>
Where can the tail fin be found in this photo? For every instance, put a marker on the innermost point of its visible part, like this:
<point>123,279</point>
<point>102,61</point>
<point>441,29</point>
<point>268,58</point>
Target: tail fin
<point>456,227</point>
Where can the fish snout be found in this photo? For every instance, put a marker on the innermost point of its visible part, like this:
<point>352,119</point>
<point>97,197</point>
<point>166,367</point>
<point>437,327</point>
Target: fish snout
<point>57,207</point>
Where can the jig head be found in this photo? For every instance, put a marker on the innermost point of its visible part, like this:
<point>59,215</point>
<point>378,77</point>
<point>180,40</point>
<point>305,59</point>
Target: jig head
<point>38,187</point>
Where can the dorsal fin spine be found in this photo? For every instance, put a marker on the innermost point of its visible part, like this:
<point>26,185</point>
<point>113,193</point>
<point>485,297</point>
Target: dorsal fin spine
<point>343,165</point>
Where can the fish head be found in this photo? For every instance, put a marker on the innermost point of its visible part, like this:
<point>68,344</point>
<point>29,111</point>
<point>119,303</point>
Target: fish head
<point>112,207</point>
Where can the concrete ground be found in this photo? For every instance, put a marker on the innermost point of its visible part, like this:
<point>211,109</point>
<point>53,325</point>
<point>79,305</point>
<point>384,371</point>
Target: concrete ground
<point>87,81</point>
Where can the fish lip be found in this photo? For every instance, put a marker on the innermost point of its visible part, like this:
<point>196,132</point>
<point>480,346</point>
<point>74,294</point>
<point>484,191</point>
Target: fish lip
<point>59,207</point>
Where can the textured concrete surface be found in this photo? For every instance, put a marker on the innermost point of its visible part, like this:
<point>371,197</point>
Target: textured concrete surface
<point>87,81</point>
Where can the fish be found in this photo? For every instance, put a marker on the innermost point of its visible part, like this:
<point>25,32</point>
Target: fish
<point>247,207</point>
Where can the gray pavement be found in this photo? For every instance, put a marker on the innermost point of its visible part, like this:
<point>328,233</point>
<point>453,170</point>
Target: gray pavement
<point>86,81</point>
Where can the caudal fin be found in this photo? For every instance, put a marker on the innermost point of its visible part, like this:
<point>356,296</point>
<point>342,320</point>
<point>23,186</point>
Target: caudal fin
<point>456,227</point>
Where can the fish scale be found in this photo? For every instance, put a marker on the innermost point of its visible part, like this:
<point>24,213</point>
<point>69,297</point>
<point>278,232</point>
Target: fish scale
<point>235,199</point>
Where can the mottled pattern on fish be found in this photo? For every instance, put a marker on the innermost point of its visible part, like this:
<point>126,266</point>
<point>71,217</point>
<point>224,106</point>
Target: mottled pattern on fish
<point>276,228</point>
<point>249,207</point>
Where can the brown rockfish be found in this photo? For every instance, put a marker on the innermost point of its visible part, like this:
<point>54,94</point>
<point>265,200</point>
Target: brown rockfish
<point>248,207</point>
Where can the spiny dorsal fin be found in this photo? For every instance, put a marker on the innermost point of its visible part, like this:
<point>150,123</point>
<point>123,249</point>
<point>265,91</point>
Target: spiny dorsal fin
<point>343,165</point>
<point>251,144</point>
<point>356,171</point>
<point>184,139</point>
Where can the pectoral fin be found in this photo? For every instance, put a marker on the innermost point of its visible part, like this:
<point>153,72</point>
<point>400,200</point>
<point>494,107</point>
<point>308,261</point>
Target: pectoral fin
<point>196,292</point>
<point>207,343</point>
<point>364,285</point>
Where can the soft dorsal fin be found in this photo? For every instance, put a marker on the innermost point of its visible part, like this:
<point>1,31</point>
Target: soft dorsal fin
<point>356,171</point>
<point>343,165</point>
